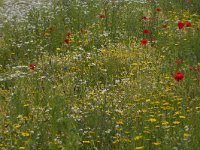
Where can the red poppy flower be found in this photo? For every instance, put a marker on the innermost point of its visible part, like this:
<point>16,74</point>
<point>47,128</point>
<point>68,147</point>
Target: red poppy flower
<point>190,68</point>
<point>158,9</point>
<point>101,16</point>
<point>178,76</point>
<point>67,41</point>
<point>144,18</point>
<point>68,34</point>
<point>181,25</point>
<point>31,66</point>
<point>179,61</point>
<point>188,24</point>
<point>144,42</point>
<point>146,31</point>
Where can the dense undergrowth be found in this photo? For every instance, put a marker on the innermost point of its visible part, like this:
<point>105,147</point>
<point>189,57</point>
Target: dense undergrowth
<point>103,75</point>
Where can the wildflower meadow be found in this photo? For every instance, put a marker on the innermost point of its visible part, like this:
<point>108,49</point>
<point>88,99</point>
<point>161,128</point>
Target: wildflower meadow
<point>99,75</point>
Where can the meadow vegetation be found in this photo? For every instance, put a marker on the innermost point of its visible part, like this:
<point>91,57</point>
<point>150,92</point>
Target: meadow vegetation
<point>102,75</point>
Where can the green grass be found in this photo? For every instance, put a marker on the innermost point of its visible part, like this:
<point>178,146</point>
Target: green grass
<point>103,90</point>
<point>1,2</point>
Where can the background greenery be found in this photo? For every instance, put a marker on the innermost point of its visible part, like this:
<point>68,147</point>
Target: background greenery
<point>103,90</point>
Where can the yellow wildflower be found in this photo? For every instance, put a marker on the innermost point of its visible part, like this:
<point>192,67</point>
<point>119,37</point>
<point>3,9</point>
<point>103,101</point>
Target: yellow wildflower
<point>120,123</point>
<point>19,117</point>
<point>126,132</point>
<point>162,56</point>
<point>139,148</point>
<point>176,122</point>
<point>179,99</point>
<point>103,51</point>
<point>156,143</point>
<point>17,126</point>
<point>127,140</point>
<point>134,64</point>
<point>165,122</point>
<point>72,40</point>
<point>25,118</point>
<point>152,120</point>
<point>186,135</point>
<point>138,137</point>
<point>146,131</point>
<point>148,100</point>
<point>182,117</point>
<point>112,50</point>
<point>58,49</point>
<point>197,108</point>
<point>177,112</point>
<point>167,77</point>
<point>25,134</point>
<point>143,110</point>
<point>86,142</point>
<point>165,104</point>
<point>116,141</point>
<point>26,105</point>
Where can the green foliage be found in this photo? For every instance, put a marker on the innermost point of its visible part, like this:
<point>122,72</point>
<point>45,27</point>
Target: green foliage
<point>103,88</point>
